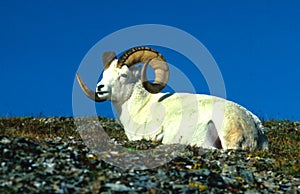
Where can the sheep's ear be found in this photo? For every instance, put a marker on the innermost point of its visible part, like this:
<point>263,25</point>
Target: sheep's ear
<point>108,57</point>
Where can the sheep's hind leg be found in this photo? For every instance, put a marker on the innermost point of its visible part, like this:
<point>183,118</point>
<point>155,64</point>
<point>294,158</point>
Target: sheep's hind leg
<point>212,139</point>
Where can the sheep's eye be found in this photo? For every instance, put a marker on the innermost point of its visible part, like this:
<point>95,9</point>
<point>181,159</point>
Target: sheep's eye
<point>124,75</point>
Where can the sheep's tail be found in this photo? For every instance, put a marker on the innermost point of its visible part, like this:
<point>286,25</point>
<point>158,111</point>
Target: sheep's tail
<point>262,139</point>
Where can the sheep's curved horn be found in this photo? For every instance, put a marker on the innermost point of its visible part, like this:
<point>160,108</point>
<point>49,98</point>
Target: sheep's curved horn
<point>87,91</point>
<point>154,59</point>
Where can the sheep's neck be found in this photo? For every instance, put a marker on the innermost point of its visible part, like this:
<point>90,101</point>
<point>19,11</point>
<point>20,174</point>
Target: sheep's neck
<point>139,98</point>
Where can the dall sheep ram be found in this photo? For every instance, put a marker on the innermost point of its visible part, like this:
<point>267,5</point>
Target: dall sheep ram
<point>194,119</point>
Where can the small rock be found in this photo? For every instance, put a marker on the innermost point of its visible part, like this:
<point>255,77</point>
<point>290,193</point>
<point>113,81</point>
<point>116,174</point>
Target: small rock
<point>229,170</point>
<point>204,172</point>
<point>285,186</point>
<point>5,140</point>
<point>247,175</point>
<point>252,192</point>
<point>118,187</point>
<point>216,180</point>
<point>270,185</point>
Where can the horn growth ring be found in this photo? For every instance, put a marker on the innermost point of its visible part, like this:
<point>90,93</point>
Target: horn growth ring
<point>151,57</point>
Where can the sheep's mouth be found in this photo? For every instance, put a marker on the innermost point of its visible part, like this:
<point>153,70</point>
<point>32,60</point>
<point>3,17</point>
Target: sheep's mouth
<point>101,93</point>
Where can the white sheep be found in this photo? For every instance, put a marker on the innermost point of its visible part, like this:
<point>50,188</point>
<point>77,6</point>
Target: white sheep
<point>193,119</point>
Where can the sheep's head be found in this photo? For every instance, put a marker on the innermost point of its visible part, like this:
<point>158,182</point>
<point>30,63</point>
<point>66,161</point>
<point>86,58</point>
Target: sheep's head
<point>119,76</point>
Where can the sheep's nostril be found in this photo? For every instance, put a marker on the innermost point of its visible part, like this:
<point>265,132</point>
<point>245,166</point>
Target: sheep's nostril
<point>99,87</point>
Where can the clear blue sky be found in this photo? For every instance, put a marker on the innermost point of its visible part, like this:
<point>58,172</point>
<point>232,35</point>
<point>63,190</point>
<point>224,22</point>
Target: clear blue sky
<point>256,45</point>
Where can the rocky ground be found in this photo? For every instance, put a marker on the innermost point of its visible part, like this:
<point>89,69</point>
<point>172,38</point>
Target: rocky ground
<point>56,155</point>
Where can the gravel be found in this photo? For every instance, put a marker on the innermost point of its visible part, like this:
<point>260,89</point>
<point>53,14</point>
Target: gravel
<point>66,165</point>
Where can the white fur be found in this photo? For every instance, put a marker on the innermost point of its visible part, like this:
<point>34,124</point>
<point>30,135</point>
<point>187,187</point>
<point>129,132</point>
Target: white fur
<point>193,119</point>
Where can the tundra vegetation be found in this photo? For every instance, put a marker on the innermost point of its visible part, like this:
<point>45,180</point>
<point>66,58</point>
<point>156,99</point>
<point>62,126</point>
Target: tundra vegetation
<point>46,154</point>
